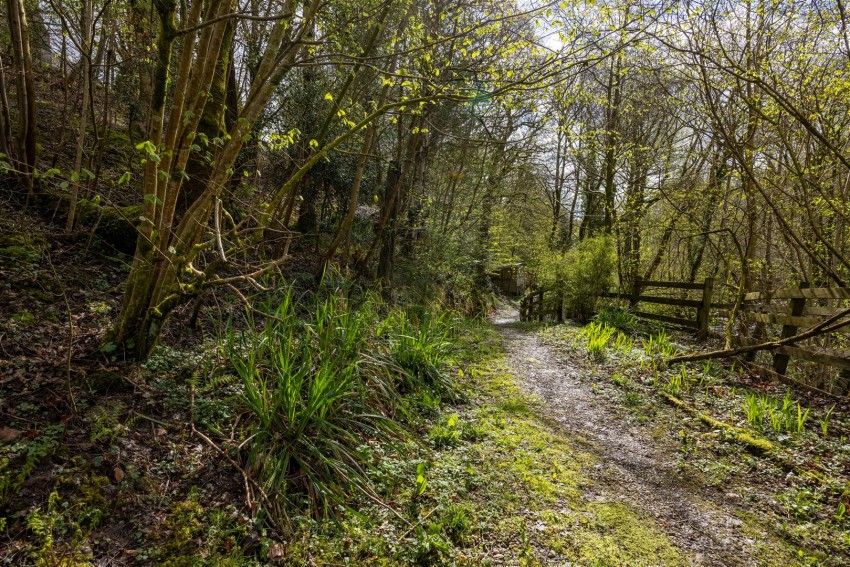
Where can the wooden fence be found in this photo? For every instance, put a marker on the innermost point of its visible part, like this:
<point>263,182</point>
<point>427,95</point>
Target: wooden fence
<point>783,313</point>
<point>766,315</point>
<point>701,304</point>
<point>540,304</point>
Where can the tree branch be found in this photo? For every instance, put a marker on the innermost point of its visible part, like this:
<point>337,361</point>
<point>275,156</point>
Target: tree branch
<point>821,328</point>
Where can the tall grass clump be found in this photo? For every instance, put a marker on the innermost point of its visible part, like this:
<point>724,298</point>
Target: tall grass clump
<point>597,335</point>
<point>318,385</point>
<point>781,415</point>
<point>659,345</point>
<point>312,398</point>
<point>618,318</point>
<point>420,347</point>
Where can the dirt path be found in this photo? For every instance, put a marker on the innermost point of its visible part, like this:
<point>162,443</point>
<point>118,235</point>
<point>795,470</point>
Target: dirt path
<point>634,467</point>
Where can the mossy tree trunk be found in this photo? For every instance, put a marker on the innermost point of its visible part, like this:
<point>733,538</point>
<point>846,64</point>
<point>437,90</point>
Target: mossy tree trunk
<point>211,127</point>
<point>163,275</point>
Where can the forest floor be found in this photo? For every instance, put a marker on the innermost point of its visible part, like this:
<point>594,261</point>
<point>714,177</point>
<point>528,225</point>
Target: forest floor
<point>548,457</point>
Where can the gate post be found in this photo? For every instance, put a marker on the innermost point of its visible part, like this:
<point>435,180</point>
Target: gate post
<point>797,306</point>
<point>704,313</point>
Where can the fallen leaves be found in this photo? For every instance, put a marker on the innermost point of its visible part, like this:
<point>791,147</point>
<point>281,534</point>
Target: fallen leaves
<point>8,435</point>
<point>276,552</point>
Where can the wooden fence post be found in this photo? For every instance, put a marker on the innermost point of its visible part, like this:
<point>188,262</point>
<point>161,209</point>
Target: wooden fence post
<point>797,306</point>
<point>540,304</point>
<point>637,284</point>
<point>559,306</point>
<point>704,313</point>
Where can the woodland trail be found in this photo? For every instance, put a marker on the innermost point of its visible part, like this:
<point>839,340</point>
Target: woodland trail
<point>634,467</point>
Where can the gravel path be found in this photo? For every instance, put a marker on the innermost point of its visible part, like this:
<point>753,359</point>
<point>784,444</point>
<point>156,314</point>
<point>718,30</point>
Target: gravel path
<point>634,467</point>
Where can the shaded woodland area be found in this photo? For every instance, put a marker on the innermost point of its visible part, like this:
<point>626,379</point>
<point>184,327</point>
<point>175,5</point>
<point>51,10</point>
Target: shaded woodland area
<point>265,234</point>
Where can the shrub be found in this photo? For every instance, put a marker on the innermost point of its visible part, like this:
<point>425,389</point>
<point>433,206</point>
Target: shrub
<point>618,318</point>
<point>588,272</point>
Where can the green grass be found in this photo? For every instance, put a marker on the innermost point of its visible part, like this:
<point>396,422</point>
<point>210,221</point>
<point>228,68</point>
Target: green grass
<point>597,336</point>
<point>780,415</point>
<point>510,493</point>
<point>319,389</point>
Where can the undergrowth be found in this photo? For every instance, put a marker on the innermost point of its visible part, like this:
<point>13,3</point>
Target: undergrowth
<point>323,388</point>
<point>738,433</point>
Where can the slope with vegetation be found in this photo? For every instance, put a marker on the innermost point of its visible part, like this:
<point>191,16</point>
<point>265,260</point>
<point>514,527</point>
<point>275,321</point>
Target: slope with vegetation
<point>247,249</point>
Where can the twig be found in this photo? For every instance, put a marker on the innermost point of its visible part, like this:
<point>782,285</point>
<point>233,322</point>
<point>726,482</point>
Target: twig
<point>377,500</point>
<point>245,301</point>
<point>247,480</point>
<point>70,349</point>
<point>821,328</point>
<point>217,219</point>
<point>419,522</point>
<point>151,419</point>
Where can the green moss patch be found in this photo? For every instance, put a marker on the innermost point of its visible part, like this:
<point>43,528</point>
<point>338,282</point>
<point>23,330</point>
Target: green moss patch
<point>616,535</point>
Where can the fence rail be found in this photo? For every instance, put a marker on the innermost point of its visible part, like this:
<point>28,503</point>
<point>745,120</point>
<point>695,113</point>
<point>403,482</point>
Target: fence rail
<point>541,303</point>
<point>795,313</point>
<point>702,316</point>
<point>790,309</point>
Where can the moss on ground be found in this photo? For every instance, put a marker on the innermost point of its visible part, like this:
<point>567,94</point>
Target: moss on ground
<point>22,247</point>
<point>620,537</point>
<point>512,493</point>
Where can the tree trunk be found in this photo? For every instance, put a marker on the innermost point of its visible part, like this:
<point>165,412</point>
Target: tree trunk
<point>163,275</point>
<point>389,207</point>
<point>612,137</point>
<point>25,156</point>
<point>212,126</point>
<point>85,57</point>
